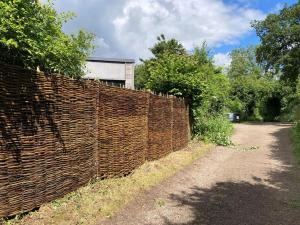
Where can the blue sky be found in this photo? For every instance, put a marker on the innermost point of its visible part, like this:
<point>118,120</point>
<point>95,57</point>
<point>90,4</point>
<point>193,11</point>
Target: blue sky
<point>266,6</point>
<point>128,28</point>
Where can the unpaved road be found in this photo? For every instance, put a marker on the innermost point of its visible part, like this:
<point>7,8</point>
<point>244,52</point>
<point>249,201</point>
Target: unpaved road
<point>255,182</point>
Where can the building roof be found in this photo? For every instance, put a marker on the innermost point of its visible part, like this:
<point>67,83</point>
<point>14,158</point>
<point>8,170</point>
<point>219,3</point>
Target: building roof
<point>112,60</point>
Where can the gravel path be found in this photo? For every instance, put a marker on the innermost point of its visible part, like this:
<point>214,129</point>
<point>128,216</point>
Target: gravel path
<point>255,182</point>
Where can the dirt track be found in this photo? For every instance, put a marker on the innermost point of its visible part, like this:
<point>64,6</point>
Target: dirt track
<point>255,182</point>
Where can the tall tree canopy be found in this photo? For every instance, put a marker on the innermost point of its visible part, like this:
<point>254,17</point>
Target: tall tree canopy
<point>31,36</point>
<point>243,63</point>
<point>255,94</point>
<point>280,42</point>
<point>159,50</point>
<point>171,46</point>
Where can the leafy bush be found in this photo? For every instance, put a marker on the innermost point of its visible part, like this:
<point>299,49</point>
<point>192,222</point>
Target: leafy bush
<point>213,128</point>
<point>192,76</point>
<point>255,98</point>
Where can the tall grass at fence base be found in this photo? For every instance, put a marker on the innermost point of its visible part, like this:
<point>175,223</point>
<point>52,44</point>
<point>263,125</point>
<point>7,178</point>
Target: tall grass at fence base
<point>100,199</point>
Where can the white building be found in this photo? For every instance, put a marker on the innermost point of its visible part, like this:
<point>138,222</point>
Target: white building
<point>115,72</point>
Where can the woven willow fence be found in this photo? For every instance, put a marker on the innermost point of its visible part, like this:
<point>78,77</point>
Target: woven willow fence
<point>57,133</point>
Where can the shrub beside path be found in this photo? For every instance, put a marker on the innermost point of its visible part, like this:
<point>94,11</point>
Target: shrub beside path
<point>256,182</point>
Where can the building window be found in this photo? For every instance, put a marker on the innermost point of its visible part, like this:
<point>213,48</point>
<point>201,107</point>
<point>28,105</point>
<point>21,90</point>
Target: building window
<point>115,83</point>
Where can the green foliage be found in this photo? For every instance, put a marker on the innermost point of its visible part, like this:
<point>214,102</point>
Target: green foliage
<point>163,46</point>
<point>290,101</point>
<point>31,36</point>
<point>216,129</point>
<point>194,77</point>
<point>296,117</point>
<point>296,140</point>
<point>296,108</point>
<point>161,49</point>
<point>279,52</point>
<point>280,36</point>
<point>174,74</point>
<point>140,76</point>
<point>255,98</point>
<point>244,63</point>
<point>254,94</point>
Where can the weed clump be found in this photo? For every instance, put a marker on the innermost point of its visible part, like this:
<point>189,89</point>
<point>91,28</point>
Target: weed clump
<point>215,129</point>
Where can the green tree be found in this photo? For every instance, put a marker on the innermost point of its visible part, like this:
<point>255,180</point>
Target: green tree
<point>141,76</point>
<point>201,55</point>
<point>243,63</point>
<point>160,49</point>
<point>254,93</point>
<point>280,37</point>
<point>256,98</point>
<point>176,75</point>
<point>31,36</point>
<point>193,77</point>
<point>171,46</point>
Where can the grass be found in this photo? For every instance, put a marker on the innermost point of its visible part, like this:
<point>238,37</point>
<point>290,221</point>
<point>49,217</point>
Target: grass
<point>102,198</point>
<point>295,134</point>
<point>216,129</point>
<point>296,140</point>
<point>295,204</point>
<point>160,202</point>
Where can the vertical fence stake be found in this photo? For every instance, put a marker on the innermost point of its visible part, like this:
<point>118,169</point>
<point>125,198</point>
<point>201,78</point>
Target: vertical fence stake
<point>97,131</point>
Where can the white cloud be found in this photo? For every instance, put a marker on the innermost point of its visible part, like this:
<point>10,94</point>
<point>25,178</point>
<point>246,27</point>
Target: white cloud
<point>128,28</point>
<point>222,59</point>
<point>190,21</point>
<point>103,46</point>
